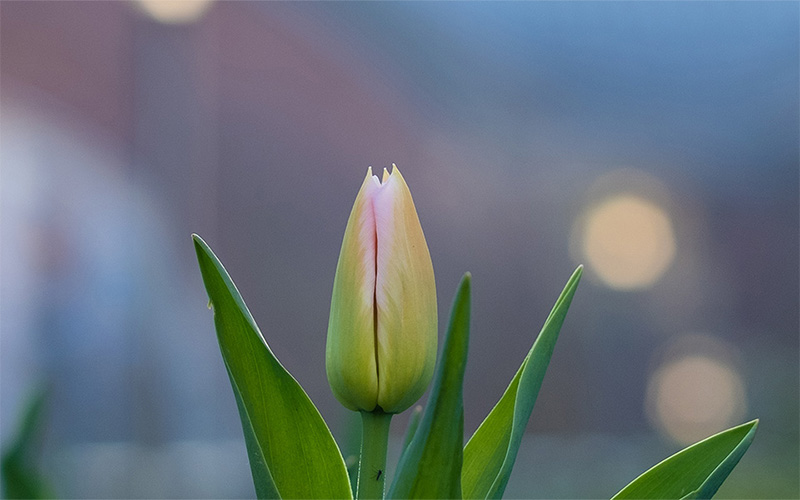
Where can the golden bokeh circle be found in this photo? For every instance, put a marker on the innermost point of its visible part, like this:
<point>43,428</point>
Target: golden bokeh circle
<point>628,241</point>
<point>174,11</point>
<point>695,396</point>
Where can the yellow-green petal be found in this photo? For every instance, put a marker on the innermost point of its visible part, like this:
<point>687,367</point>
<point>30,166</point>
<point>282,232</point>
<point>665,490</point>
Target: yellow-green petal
<point>350,351</point>
<point>382,330</point>
<point>405,298</point>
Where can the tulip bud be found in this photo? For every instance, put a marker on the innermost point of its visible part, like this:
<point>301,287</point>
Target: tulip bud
<point>381,346</point>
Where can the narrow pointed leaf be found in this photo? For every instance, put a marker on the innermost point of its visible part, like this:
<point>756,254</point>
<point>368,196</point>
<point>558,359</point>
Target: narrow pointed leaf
<point>430,466</point>
<point>291,450</point>
<point>21,475</point>
<point>262,479</point>
<point>490,454</point>
<point>696,471</point>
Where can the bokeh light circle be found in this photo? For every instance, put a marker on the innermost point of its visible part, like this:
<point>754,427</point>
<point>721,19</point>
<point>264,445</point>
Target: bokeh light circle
<point>628,241</point>
<point>175,11</point>
<point>695,396</point>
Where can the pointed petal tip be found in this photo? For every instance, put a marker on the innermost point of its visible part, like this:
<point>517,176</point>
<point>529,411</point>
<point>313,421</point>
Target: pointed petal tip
<point>397,175</point>
<point>370,175</point>
<point>385,176</point>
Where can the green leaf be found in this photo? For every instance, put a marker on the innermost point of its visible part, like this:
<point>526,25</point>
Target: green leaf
<point>490,454</point>
<point>696,471</point>
<point>20,462</point>
<point>291,450</point>
<point>430,467</point>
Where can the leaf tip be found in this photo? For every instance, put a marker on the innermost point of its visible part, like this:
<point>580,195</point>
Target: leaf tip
<point>201,247</point>
<point>465,284</point>
<point>198,241</point>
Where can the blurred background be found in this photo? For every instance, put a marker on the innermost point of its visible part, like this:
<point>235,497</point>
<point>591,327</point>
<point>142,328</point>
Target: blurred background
<point>656,143</point>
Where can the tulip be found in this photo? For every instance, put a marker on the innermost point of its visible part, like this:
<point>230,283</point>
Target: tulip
<point>381,346</point>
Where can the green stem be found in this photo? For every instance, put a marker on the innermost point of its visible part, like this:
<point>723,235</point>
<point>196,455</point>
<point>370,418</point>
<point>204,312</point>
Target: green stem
<point>372,468</point>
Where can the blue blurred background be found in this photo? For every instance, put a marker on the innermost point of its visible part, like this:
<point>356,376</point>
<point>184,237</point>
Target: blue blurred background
<point>657,143</point>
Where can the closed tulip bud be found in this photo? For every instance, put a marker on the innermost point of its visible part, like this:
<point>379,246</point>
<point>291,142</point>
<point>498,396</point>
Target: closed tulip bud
<point>381,346</point>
